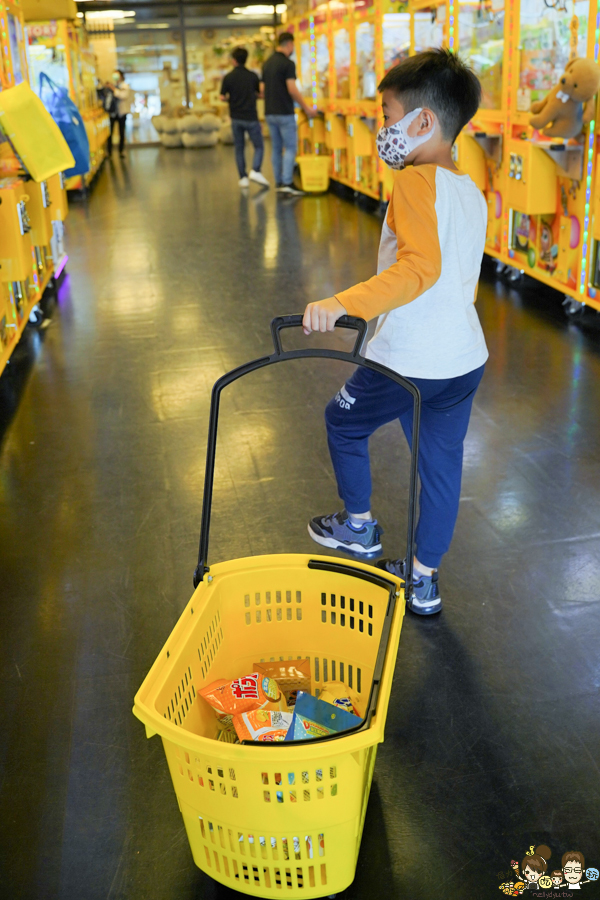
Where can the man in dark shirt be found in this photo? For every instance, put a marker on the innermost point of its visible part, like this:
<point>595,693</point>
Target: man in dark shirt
<point>279,78</point>
<point>241,87</point>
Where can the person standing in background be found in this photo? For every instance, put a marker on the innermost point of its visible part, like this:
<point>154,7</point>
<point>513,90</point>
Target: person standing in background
<point>241,87</point>
<point>122,94</point>
<point>281,90</point>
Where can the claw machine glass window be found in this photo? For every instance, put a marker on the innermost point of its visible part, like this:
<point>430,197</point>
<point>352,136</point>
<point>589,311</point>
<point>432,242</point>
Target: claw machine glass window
<point>396,38</point>
<point>15,37</point>
<point>46,53</point>
<point>481,36</point>
<point>365,61</point>
<point>429,27</point>
<point>322,55</point>
<point>305,70</point>
<point>545,45</point>
<point>341,52</point>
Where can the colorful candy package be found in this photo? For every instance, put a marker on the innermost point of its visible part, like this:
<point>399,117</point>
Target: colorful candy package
<point>291,676</point>
<point>232,698</point>
<point>262,725</point>
<point>315,718</point>
<point>337,693</point>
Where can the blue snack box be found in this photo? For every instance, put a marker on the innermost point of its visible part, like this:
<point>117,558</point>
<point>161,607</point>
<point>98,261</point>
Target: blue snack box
<point>315,718</point>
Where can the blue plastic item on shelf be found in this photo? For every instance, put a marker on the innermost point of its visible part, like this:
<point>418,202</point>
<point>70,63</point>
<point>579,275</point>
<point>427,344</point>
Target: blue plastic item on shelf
<point>68,118</point>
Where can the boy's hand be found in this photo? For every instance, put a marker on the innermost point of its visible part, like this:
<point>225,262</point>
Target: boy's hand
<point>322,315</point>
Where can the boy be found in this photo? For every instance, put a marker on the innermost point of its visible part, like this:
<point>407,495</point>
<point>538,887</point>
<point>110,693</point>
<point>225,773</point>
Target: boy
<point>430,255</point>
<point>241,87</point>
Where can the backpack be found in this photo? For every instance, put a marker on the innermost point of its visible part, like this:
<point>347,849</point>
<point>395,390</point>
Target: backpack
<point>68,118</point>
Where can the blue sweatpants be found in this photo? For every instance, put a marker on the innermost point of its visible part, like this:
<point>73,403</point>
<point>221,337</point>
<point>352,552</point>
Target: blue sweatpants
<point>369,400</point>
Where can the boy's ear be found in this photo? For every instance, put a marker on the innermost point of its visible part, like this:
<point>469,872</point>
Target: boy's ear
<point>427,120</point>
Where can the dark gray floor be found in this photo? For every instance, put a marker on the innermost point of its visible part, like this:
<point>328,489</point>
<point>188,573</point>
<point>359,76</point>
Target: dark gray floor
<point>493,730</point>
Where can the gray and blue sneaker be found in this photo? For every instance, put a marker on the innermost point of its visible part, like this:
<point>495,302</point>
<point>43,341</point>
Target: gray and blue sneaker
<point>338,533</point>
<point>425,599</point>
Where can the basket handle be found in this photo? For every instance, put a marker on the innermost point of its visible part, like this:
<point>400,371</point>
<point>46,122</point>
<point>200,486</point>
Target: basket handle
<point>295,321</point>
<point>280,355</point>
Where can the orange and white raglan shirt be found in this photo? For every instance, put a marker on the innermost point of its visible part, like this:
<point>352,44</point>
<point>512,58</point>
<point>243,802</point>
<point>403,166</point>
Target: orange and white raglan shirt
<point>430,254</point>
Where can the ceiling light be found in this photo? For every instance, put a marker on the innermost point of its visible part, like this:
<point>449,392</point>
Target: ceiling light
<point>153,26</point>
<point>111,14</point>
<point>260,10</point>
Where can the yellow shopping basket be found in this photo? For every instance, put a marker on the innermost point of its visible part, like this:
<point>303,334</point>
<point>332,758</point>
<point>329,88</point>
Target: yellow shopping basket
<point>314,172</point>
<point>287,818</point>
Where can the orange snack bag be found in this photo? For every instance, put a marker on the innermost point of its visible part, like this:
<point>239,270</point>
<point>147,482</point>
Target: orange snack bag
<point>232,698</point>
<point>262,725</point>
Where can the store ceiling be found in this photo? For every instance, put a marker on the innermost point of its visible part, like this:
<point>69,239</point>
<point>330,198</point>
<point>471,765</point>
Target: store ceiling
<point>197,12</point>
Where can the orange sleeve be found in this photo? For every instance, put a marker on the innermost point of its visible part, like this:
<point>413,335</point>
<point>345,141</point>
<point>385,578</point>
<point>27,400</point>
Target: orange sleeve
<point>411,216</point>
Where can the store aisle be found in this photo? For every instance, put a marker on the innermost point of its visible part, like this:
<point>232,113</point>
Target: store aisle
<point>493,731</point>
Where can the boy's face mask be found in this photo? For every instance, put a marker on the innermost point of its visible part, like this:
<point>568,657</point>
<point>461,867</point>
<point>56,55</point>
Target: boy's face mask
<point>394,144</point>
<point>116,77</point>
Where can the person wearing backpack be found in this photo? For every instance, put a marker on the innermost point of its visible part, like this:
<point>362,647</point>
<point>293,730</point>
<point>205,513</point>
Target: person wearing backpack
<point>119,109</point>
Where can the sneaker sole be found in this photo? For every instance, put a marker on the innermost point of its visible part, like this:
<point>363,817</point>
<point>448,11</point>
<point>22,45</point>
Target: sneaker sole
<point>352,549</point>
<point>425,612</point>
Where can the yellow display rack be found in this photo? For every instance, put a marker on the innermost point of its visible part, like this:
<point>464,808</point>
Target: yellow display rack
<point>25,258</point>
<point>542,194</point>
<point>60,48</point>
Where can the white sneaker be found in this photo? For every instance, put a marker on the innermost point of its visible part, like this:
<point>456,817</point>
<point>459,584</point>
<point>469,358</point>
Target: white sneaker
<point>243,182</point>
<point>290,189</point>
<point>259,178</point>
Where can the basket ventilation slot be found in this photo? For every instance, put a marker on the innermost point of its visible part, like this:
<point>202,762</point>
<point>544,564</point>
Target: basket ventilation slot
<point>182,700</point>
<point>210,644</point>
<point>328,667</point>
<point>298,852</point>
<point>338,613</point>
<point>292,795</point>
<point>287,607</point>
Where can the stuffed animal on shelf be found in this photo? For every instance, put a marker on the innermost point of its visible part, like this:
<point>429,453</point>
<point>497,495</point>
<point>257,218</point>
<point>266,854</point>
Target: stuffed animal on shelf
<point>569,106</point>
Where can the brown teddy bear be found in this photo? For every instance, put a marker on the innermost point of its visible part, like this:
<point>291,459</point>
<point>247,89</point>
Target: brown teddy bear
<point>569,105</point>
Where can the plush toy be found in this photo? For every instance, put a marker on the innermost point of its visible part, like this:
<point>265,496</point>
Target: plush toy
<point>569,105</point>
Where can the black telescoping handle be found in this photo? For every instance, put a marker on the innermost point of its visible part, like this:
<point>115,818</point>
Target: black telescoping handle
<point>295,321</point>
<point>281,355</point>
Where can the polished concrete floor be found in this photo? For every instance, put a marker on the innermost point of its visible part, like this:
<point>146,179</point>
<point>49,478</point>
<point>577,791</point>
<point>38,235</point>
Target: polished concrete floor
<point>493,734</point>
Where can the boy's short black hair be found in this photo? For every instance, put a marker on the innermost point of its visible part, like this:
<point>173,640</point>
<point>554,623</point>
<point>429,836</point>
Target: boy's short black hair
<point>240,55</point>
<point>440,81</point>
<point>285,38</point>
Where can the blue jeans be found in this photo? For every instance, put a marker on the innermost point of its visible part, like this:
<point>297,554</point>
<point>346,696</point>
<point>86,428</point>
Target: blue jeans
<point>239,128</point>
<point>284,139</point>
<point>369,400</point>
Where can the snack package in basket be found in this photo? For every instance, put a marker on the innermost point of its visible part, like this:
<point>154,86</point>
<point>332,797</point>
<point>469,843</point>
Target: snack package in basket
<point>262,725</point>
<point>291,675</point>
<point>337,693</point>
<point>232,698</point>
<point>314,718</point>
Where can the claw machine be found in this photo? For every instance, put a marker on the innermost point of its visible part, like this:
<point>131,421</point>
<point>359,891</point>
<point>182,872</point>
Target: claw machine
<point>430,26</point>
<point>362,121</point>
<point>393,45</point>
<point>480,147</point>
<point>60,49</point>
<point>549,185</point>
<point>20,283</point>
<point>341,72</point>
<point>311,132</point>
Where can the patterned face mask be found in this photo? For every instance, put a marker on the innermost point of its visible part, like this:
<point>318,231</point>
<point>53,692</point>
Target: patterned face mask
<point>394,144</point>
